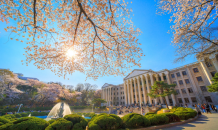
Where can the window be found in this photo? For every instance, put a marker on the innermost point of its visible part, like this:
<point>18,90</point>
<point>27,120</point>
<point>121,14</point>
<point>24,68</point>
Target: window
<point>186,100</point>
<point>121,103</point>
<point>203,88</point>
<point>123,97</point>
<point>208,99</point>
<point>180,100</point>
<point>141,89</point>
<point>120,92</point>
<point>145,82</point>
<point>159,78</point>
<point>199,78</point>
<point>114,88</point>
<point>134,96</point>
<point>180,82</point>
<point>172,75</point>
<point>208,63</point>
<point>171,101</point>
<point>195,70</point>
<point>183,91</point>
<point>187,81</point>
<point>177,91</point>
<point>117,93</point>
<point>117,88</point>
<point>190,90</point>
<point>178,74</point>
<point>213,73</point>
<point>133,90</point>
<point>164,77</point>
<point>142,95</point>
<point>140,82</point>
<point>117,98</point>
<point>174,82</point>
<point>114,97</point>
<point>114,93</point>
<point>117,103</point>
<point>184,73</point>
<point>193,99</point>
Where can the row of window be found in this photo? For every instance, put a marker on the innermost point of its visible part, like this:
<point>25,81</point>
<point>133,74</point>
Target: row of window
<point>199,78</point>
<point>194,100</point>
<point>203,88</point>
<point>118,98</point>
<point>195,70</point>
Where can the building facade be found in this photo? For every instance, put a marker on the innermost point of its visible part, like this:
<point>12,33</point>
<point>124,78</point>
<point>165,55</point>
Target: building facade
<point>113,94</point>
<point>191,81</point>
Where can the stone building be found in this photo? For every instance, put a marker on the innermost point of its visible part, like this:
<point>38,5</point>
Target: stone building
<point>191,81</point>
<point>113,94</point>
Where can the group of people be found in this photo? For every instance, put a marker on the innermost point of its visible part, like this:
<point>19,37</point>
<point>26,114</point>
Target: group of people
<point>205,108</point>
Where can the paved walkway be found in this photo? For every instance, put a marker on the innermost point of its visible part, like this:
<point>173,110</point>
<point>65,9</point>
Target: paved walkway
<point>204,122</point>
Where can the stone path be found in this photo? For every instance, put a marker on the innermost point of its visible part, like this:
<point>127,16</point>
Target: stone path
<point>204,122</point>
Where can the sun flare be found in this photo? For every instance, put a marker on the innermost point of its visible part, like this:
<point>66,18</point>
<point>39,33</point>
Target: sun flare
<point>71,53</point>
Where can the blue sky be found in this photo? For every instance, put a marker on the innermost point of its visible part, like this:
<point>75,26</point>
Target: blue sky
<point>159,54</point>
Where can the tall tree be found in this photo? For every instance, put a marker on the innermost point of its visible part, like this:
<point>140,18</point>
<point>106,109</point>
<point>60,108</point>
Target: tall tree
<point>95,37</point>
<point>161,89</point>
<point>196,26</point>
<point>214,86</point>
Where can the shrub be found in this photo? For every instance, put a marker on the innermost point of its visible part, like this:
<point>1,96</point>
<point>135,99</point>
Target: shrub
<point>148,113</point>
<point>181,115</point>
<point>78,126</point>
<point>29,123</point>
<point>105,122</point>
<point>152,118</point>
<point>77,119</point>
<point>17,115</point>
<point>9,117</point>
<point>134,120</point>
<point>190,114</point>
<point>172,117</point>
<point>181,109</point>
<point>60,124</point>
<point>162,119</point>
<point>24,114</point>
<point>4,120</point>
<point>51,121</point>
<point>6,126</point>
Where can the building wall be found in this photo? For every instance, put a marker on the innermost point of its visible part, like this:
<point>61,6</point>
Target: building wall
<point>191,81</point>
<point>113,94</point>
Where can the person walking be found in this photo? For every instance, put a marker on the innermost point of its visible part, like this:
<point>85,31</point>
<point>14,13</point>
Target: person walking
<point>207,108</point>
<point>198,110</point>
<point>199,106</point>
<point>203,108</point>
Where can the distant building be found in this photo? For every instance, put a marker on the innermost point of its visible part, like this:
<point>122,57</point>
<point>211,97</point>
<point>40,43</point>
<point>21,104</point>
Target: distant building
<point>114,95</point>
<point>191,81</point>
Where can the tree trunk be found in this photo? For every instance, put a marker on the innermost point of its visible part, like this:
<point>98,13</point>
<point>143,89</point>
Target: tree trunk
<point>165,102</point>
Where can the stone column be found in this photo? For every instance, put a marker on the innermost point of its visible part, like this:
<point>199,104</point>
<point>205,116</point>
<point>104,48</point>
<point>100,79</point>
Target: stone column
<point>152,83</point>
<point>206,70</point>
<point>128,92</point>
<point>215,62</point>
<point>125,91</point>
<point>168,81</point>
<point>136,97</point>
<point>167,99</point>
<point>144,90</point>
<point>131,90</point>
<point>161,99</point>
<point>139,90</point>
<point>148,88</point>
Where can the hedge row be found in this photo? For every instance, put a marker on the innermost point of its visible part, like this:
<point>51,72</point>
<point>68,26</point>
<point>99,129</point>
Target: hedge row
<point>98,122</point>
<point>91,114</point>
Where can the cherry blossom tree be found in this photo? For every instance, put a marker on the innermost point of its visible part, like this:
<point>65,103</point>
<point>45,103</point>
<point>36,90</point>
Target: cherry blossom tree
<point>95,37</point>
<point>195,26</point>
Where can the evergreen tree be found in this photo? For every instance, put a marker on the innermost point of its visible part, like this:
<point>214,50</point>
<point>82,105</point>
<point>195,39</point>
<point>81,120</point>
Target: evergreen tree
<point>214,86</point>
<point>161,89</point>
